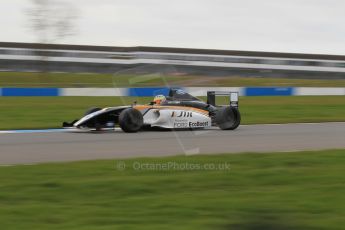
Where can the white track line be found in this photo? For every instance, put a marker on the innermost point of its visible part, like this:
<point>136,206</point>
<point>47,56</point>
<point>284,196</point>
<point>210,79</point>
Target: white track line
<point>33,131</point>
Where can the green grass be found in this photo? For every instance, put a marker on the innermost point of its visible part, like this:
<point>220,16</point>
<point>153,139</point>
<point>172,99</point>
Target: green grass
<point>50,112</point>
<point>15,79</point>
<point>302,190</point>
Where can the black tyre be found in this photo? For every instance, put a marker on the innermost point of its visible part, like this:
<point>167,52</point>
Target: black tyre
<point>228,118</point>
<point>91,110</point>
<point>131,120</point>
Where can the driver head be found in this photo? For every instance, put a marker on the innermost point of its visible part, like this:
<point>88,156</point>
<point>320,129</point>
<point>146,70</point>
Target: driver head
<point>159,99</point>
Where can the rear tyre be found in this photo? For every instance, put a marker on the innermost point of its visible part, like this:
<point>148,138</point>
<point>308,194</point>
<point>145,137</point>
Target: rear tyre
<point>228,118</point>
<point>91,110</point>
<point>131,120</point>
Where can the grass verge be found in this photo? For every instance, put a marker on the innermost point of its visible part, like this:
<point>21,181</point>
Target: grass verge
<point>15,79</point>
<point>50,112</point>
<point>302,190</point>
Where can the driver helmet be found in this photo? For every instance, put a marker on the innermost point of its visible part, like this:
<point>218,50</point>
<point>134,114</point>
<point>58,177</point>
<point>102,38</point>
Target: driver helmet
<point>159,99</point>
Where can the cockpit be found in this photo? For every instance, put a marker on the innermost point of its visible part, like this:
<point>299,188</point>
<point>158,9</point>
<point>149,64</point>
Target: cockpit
<point>178,97</point>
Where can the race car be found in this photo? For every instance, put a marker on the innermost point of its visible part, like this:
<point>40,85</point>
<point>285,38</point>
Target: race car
<point>177,110</point>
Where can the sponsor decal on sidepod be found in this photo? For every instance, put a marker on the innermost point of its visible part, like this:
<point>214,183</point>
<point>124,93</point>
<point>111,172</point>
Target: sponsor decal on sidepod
<point>198,124</point>
<point>180,125</point>
<point>190,124</point>
<point>182,114</point>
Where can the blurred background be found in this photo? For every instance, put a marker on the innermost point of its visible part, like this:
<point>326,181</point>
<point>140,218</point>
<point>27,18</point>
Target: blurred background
<point>55,43</point>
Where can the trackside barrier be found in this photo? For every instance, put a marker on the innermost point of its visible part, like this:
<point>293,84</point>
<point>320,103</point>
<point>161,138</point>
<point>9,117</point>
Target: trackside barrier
<point>147,92</point>
<point>30,92</point>
<point>151,91</point>
<point>268,91</point>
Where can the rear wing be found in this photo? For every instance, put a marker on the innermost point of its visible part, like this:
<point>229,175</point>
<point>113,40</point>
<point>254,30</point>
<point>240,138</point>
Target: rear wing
<point>211,97</point>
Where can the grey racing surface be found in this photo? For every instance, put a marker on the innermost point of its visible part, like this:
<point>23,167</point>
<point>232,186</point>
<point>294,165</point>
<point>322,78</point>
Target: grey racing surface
<point>29,148</point>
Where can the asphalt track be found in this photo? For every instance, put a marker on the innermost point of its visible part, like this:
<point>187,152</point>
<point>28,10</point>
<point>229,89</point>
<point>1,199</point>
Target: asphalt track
<point>66,145</point>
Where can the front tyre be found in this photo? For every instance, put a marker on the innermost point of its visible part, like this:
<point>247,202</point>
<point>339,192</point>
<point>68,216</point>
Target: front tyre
<point>131,120</point>
<point>228,118</point>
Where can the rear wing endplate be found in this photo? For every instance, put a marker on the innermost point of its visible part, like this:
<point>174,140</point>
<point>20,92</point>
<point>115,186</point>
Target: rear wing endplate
<point>211,97</point>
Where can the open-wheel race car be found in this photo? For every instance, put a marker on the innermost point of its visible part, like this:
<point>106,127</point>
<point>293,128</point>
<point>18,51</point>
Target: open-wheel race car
<point>177,110</point>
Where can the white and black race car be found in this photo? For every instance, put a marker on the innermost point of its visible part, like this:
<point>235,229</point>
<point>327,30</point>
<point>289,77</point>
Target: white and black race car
<point>178,110</point>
